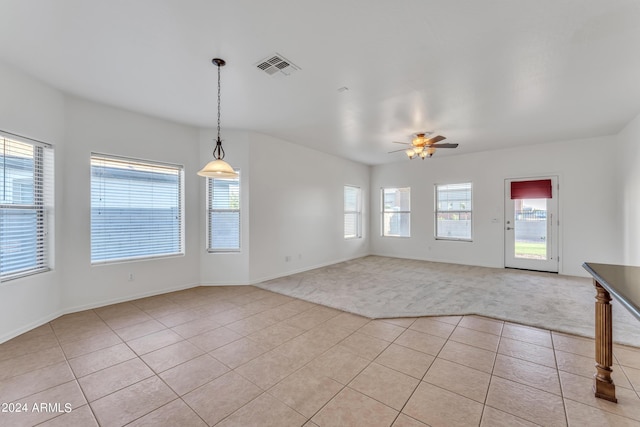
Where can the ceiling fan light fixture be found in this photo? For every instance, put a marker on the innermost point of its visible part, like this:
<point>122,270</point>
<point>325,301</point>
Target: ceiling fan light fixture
<point>423,145</point>
<point>420,139</point>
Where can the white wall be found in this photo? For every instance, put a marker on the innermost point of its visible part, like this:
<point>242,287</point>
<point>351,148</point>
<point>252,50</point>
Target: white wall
<point>297,208</point>
<point>76,128</point>
<point>291,206</point>
<point>629,139</point>
<point>292,203</point>
<point>589,210</point>
<point>230,268</point>
<point>32,109</point>
<point>92,127</point>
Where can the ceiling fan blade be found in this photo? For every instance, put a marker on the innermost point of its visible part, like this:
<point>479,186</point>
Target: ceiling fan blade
<point>396,151</point>
<point>405,143</point>
<point>435,139</point>
<point>446,145</point>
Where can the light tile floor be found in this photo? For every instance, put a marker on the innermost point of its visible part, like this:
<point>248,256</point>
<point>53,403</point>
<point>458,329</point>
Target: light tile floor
<point>242,356</point>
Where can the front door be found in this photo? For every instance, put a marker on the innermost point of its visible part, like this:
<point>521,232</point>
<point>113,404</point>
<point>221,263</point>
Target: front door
<point>531,224</point>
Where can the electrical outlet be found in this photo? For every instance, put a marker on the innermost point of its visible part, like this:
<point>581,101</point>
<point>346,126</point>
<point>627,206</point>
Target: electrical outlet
<point>131,277</point>
<point>287,258</point>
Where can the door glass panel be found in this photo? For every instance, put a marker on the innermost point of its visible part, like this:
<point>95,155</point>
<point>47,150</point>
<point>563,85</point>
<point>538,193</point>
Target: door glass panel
<point>530,228</point>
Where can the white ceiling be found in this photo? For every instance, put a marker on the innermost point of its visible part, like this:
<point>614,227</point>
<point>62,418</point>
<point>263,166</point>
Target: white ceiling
<point>486,74</point>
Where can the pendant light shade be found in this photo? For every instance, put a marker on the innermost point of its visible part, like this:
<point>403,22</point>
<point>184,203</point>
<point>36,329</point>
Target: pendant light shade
<point>218,168</point>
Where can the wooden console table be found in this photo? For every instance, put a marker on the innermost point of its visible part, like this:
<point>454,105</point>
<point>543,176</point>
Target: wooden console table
<point>623,282</point>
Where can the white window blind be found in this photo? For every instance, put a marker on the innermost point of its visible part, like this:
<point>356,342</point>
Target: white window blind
<point>352,212</point>
<point>453,211</point>
<point>136,209</point>
<point>26,199</point>
<point>396,212</point>
<point>223,211</point>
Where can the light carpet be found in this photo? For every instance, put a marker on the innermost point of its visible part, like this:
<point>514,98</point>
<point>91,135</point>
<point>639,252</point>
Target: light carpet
<point>382,287</point>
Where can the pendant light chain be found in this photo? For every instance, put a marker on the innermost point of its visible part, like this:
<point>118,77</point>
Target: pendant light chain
<point>218,151</point>
<point>218,102</point>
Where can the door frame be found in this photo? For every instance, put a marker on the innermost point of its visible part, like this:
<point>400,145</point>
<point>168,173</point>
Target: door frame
<point>553,226</point>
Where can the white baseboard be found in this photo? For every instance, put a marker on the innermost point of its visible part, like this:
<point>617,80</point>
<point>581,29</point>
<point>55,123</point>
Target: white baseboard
<point>74,309</point>
<point>48,318</point>
<point>128,298</point>
<point>444,261</point>
<point>16,332</point>
<point>301,270</point>
<point>224,284</point>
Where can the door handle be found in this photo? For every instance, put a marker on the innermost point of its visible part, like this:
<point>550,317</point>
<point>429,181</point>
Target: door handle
<point>509,228</point>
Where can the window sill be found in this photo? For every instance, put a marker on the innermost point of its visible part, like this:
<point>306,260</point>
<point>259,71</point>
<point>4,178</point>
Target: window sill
<point>136,259</point>
<point>10,277</point>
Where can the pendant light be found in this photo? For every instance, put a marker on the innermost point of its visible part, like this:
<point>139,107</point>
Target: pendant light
<point>218,168</point>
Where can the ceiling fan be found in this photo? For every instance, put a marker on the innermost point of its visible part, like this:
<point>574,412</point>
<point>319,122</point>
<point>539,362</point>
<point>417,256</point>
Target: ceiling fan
<point>423,145</point>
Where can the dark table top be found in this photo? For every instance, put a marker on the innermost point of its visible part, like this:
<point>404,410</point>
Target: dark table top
<point>622,281</point>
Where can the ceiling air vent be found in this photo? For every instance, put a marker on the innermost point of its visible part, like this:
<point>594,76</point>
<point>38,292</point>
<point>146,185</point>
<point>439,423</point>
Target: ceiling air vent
<point>277,65</point>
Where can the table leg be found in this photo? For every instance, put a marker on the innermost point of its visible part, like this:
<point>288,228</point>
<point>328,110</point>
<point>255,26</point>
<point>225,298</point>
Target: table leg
<point>603,386</point>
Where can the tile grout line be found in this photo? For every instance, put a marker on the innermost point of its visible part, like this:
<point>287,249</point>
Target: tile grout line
<point>497,376</point>
<point>493,368</point>
<point>369,362</point>
<point>425,372</point>
<point>344,386</point>
<point>624,371</point>
<point>76,379</point>
<point>372,361</point>
<point>237,373</point>
<point>145,363</point>
<point>564,400</point>
<point>289,375</point>
<point>179,397</point>
<point>155,374</point>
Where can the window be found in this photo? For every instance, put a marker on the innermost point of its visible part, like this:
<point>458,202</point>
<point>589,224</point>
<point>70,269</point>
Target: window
<point>352,212</point>
<point>453,211</point>
<point>223,214</point>
<point>26,186</point>
<point>136,209</point>
<point>396,212</point>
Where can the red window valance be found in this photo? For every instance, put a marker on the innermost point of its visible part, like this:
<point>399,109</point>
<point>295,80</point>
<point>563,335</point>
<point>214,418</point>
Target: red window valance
<point>538,189</point>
